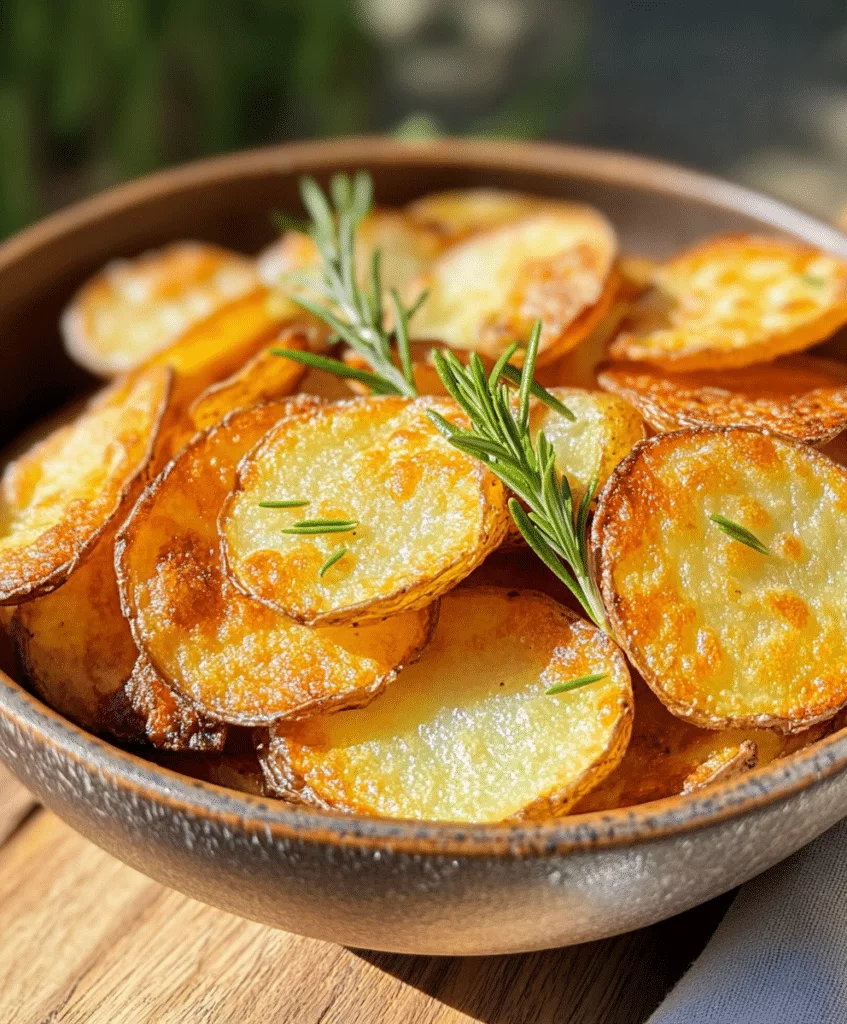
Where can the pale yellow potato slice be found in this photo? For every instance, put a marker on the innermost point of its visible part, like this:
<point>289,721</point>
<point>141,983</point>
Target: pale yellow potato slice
<point>469,733</point>
<point>733,301</point>
<point>459,213</point>
<point>407,249</point>
<point>57,498</point>
<point>668,756</point>
<point>135,308</point>
<point>264,378</point>
<point>727,636</point>
<point>556,265</point>
<point>801,396</point>
<point>229,655</point>
<point>423,514</point>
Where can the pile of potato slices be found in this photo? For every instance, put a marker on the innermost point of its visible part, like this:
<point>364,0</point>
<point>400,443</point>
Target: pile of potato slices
<point>272,580</point>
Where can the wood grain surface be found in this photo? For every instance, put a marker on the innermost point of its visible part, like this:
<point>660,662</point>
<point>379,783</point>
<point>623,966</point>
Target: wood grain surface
<point>87,940</point>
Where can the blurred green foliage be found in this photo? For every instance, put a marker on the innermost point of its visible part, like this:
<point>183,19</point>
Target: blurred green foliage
<point>97,91</point>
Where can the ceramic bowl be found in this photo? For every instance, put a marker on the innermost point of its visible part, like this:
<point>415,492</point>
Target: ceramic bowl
<point>389,885</point>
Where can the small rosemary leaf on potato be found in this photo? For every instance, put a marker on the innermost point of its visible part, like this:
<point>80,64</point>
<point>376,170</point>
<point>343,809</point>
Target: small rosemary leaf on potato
<point>57,498</point>
<point>469,732</point>
<point>426,515</point>
<point>800,396</point>
<point>232,657</point>
<point>488,291</point>
<point>733,301</point>
<point>725,635</point>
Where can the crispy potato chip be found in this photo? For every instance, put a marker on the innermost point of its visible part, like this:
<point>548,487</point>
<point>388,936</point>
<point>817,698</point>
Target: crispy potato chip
<point>459,213</point>
<point>733,301</point>
<point>637,275</point>
<point>668,756</point>
<point>264,378</point>
<point>427,381</point>
<point>421,514</point>
<point>725,635</point>
<point>170,721</point>
<point>801,396</point>
<point>135,308</point>
<point>486,292</point>
<point>469,733</point>
<point>407,249</point>
<point>231,656</point>
<point>76,647</point>
<point>605,430</point>
<point>57,498</point>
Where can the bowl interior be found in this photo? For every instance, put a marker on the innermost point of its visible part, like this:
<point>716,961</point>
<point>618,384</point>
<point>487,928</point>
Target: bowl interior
<point>656,209</point>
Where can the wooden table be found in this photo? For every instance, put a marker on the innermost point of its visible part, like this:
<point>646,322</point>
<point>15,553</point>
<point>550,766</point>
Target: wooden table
<point>86,940</point>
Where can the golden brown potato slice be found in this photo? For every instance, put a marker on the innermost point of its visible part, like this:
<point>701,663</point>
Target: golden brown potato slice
<point>486,292</point>
<point>134,308</point>
<point>230,655</point>
<point>427,381</point>
<point>724,634</point>
<point>801,396</point>
<point>668,756</point>
<point>57,498</point>
<point>420,514</point>
<point>170,722</point>
<point>459,213</point>
<point>637,275</point>
<point>264,378</point>
<point>407,248</point>
<point>733,301</point>
<point>470,733</point>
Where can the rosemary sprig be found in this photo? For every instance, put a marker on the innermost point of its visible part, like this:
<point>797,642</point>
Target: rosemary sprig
<point>317,526</point>
<point>740,533</point>
<point>574,684</point>
<point>285,503</point>
<point>355,314</point>
<point>330,562</point>
<point>500,437</point>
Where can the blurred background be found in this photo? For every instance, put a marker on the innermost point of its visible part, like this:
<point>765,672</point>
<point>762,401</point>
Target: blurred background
<point>93,92</point>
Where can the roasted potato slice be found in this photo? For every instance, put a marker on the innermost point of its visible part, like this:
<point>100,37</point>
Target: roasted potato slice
<point>407,249</point>
<point>170,721</point>
<point>427,381</point>
<point>240,772</point>
<point>263,378</point>
<point>801,396</point>
<point>231,656</point>
<point>458,213</point>
<point>57,498</point>
<point>486,292</point>
<point>469,733</point>
<point>725,635</point>
<point>421,514</point>
<point>668,756</point>
<point>135,308</point>
<point>733,301</point>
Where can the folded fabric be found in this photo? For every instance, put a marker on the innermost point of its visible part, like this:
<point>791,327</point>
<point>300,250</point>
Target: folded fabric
<point>780,954</point>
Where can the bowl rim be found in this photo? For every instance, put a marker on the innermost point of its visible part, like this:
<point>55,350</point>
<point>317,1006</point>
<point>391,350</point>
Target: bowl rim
<point>143,779</point>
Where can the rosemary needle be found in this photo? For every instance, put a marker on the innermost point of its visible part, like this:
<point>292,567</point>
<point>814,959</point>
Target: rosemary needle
<point>317,526</point>
<point>330,562</point>
<point>286,503</point>
<point>574,684</point>
<point>740,533</point>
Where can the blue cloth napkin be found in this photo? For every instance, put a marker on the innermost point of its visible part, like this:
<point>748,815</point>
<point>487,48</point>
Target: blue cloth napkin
<point>780,954</point>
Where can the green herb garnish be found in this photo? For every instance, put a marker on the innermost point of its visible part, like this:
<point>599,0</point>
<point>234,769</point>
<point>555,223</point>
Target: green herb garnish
<point>739,533</point>
<point>316,526</point>
<point>285,503</point>
<point>330,562</point>
<point>574,684</point>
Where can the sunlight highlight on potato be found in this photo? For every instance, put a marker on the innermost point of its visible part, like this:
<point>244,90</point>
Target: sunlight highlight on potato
<point>458,213</point>
<point>733,301</point>
<point>486,292</point>
<point>420,515</point>
<point>135,308</point>
<point>57,498</point>
<point>724,634</point>
<point>231,656</point>
<point>801,396</point>
<point>469,733</point>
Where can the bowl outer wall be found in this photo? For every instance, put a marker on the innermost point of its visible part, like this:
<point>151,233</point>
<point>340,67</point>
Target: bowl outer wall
<point>405,887</point>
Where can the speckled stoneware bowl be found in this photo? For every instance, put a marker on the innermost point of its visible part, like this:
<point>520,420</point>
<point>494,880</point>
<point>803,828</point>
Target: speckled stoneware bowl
<point>407,887</point>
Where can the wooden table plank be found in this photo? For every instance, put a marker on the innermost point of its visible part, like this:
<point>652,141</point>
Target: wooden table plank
<point>84,938</point>
<point>15,803</point>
